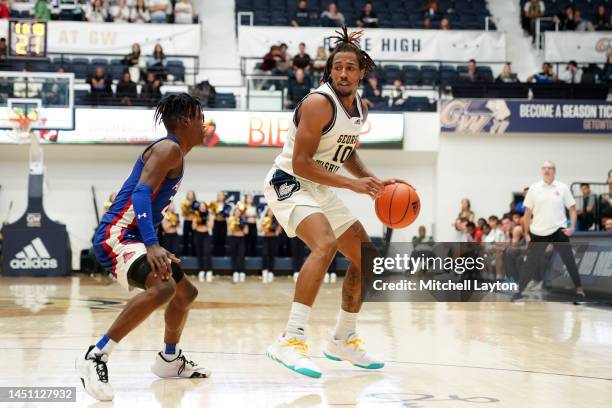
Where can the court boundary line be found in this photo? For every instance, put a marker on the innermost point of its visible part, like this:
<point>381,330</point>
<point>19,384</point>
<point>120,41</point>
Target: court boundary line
<point>516,370</point>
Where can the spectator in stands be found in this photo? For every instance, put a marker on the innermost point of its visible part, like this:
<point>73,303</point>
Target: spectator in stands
<point>547,75</point>
<point>472,74</point>
<point>532,10</point>
<point>205,92</point>
<point>607,225</point>
<point>473,233</point>
<point>183,12</point>
<point>497,233</point>
<point>605,201</point>
<point>565,19</point>
<point>159,9</point>
<point>519,207</point>
<point>4,49</point>
<point>572,74</point>
<point>397,94</point>
<point>151,91</point>
<point>270,59</point>
<point>444,24</point>
<point>460,225</point>
<point>507,75</point>
<point>581,24</point>
<point>422,237</point>
<point>480,223</point>
<point>5,9</point>
<point>157,62</point>
<point>506,227</point>
<point>126,89</point>
<point>368,17</point>
<point>100,84</point>
<point>427,23</point>
<point>55,91</point>
<point>372,93</point>
<point>301,16</point>
<point>299,87</point>
<point>332,17</point>
<point>601,21</point>
<point>318,65</point>
<point>585,208</point>
<point>121,12</point>
<point>134,63</point>
<point>607,71</point>
<point>41,10</point>
<point>302,60</point>
<point>466,210</point>
<point>96,12</point>
<point>430,8</point>
<point>283,64</point>
<point>140,13</point>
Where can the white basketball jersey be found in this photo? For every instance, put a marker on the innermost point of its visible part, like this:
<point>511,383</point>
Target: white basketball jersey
<point>337,141</point>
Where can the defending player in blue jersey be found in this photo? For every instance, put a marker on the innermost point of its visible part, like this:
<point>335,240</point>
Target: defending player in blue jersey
<point>126,244</point>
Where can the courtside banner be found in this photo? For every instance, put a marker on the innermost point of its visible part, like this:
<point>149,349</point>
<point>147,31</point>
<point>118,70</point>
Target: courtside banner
<point>104,38</point>
<point>498,116</point>
<point>224,128</point>
<point>382,44</point>
<point>564,46</point>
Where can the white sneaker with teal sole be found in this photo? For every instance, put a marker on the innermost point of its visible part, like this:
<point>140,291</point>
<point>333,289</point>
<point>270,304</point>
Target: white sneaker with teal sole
<point>352,350</point>
<point>291,352</point>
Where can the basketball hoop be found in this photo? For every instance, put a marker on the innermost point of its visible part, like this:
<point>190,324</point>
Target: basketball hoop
<point>21,132</point>
<point>24,115</point>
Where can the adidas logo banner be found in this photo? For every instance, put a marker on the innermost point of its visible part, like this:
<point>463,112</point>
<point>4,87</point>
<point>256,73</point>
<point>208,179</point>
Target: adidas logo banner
<point>33,256</point>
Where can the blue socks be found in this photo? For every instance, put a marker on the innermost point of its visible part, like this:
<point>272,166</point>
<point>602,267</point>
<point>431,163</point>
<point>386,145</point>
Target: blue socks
<point>170,352</point>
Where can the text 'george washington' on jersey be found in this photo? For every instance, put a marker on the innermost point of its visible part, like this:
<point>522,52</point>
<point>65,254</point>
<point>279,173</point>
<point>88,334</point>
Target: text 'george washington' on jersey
<point>121,213</point>
<point>338,139</point>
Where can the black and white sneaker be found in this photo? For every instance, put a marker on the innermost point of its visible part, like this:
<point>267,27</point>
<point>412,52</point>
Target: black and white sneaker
<point>179,367</point>
<point>94,375</point>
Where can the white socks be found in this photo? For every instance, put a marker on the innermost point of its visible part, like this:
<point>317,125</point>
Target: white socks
<point>298,318</point>
<point>346,325</point>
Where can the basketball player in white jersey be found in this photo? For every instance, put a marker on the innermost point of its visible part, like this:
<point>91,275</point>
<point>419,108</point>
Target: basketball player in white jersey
<point>326,127</point>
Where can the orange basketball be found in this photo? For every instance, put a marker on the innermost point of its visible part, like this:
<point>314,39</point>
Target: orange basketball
<point>398,206</point>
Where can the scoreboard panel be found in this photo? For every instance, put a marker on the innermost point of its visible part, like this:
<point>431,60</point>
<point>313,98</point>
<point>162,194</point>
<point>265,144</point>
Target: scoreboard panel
<point>27,39</point>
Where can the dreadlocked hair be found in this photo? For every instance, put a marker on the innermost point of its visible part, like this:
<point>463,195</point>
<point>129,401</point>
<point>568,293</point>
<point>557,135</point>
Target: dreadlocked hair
<point>348,42</point>
<point>173,107</point>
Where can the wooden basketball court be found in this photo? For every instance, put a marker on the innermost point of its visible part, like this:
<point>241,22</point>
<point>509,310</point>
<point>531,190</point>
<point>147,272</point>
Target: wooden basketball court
<point>534,354</point>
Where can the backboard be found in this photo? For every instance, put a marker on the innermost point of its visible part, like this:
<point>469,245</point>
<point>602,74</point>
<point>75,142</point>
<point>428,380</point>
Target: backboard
<point>47,99</point>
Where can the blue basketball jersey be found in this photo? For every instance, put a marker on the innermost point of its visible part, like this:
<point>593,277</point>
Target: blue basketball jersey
<point>121,213</point>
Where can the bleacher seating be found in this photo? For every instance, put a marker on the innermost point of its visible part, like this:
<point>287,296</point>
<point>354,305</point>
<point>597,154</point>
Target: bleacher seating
<point>224,101</point>
<point>540,91</point>
<point>462,14</point>
<point>553,8</point>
